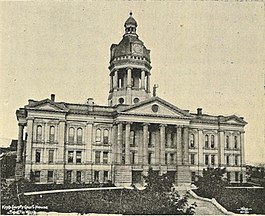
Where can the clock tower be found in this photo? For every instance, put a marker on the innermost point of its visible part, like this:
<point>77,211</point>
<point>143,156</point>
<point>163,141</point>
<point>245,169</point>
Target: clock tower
<point>129,68</point>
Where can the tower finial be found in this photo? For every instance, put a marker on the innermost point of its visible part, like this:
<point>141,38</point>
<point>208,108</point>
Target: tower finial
<point>130,13</point>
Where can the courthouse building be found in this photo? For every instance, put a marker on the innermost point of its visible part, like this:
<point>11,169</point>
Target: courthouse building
<point>60,142</point>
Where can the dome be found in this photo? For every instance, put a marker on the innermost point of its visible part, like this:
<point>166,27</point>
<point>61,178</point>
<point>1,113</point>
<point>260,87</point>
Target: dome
<point>130,21</point>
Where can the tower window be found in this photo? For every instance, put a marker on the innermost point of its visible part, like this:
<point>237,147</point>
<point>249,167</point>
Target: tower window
<point>121,100</point>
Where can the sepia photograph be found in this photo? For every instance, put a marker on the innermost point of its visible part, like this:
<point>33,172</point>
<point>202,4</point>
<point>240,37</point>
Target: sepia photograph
<point>132,107</point>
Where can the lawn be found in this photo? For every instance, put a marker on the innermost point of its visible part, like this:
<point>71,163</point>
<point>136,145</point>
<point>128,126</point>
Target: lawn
<point>235,198</point>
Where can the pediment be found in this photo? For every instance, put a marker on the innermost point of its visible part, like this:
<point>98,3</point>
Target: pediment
<point>155,106</point>
<point>234,120</point>
<point>47,105</point>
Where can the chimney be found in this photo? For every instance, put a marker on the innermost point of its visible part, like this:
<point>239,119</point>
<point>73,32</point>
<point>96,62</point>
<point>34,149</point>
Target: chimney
<point>90,101</point>
<point>199,111</point>
<point>52,97</point>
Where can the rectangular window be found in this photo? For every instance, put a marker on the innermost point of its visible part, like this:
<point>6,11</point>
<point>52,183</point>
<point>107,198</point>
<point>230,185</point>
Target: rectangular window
<point>236,176</point>
<point>227,160</point>
<point>105,157</point>
<point>149,158</point>
<point>97,157</point>
<point>37,156</point>
<point>51,156</point>
<point>228,176</point>
<point>96,176</point>
<point>123,158</point>
<point>70,156</point>
<point>106,176</point>
<point>206,159</point>
<point>192,159</point>
<point>79,139</point>
<point>172,158</point>
<point>236,159</point>
<point>50,176</point>
<point>212,159</point>
<point>132,157</point>
<point>37,176</point>
<point>78,157</point>
<point>68,176</point>
<point>78,176</point>
<point>166,158</point>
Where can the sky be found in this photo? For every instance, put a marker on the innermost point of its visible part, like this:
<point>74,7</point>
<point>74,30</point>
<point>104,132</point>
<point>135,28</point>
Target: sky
<point>206,54</point>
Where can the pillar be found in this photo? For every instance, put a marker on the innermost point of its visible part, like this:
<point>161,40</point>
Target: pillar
<point>145,143</point>
<point>148,83</point>
<point>127,143</point>
<point>114,143</point>
<point>200,147</point>
<point>111,82</point>
<point>119,143</point>
<point>242,148</point>
<point>129,77</point>
<point>221,147</point>
<point>115,80</point>
<point>179,146</point>
<point>20,142</point>
<point>162,144</point>
<point>186,145</point>
<point>29,141</point>
<point>143,80</point>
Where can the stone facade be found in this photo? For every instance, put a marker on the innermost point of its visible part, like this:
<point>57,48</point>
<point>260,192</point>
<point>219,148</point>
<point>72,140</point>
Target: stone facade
<point>66,142</point>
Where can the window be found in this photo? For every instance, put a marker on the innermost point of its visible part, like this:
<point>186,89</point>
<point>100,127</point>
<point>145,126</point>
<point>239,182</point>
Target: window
<point>212,141</point>
<point>236,176</point>
<point>105,176</point>
<point>68,176</point>
<point>228,176</point>
<point>136,100</point>
<point>37,156</point>
<point>106,136</point>
<point>206,141</point>
<point>155,108</point>
<point>79,136</point>
<point>172,158</point>
<point>206,159</point>
<point>51,156</point>
<point>212,159</point>
<point>98,135</point>
<point>39,133</point>
<point>121,100</point>
<point>132,157</point>
<point>71,136</point>
<point>193,176</point>
<point>78,176</point>
<point>50,176</point>
<point>150,139</point>
<point>70,156</point>
<point>227,159</point>
<point>227,142</point>
<point>236,159</point>
<point>96,176</point>
<point>192,159</point>
<point>236,146</point>
<point>166,158</point>
<point>37,176</point>
<point>132,138</point>
<point>52,132</point>
<point>149,158</point>
<point>123,158</point>
<point>97,157</point>
<point>192,141</point>
<point>105,157</point>
<point>78,157</point>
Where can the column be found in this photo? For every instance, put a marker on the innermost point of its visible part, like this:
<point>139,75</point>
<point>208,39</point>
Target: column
<point>186,145</point>
<point>20,142</point>
<point>119,143</point>
<point>148,83</point>
<point>114,143</point>
<point>29,141</point>
<point>221,147</point>
<point>157,147</point>
<point>88,142</point>
<point>127,143</point>
<point>145,143</point>
<point>179,146</point>
<point>111,82</point>
<point>129,77</point>
<point>162,144</point>
<point>200,147</point>
<point>61,142</point>
<point>242,149</point>
<point>115,80</point>
<point>143,80</point>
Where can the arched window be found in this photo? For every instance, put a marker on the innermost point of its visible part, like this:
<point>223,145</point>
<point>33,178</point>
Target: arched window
<point>39,133</point>
<point>206,141</point>
<point>52,132</point>
<point>98,135</point>
<point>71,135</point>
<point>132,138</point>
<point>106,136</point>
<point>79,136</point>
<point>236,146</point>
<point>212,141</point>
<point>192,141</point>
<point>227,142</point>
